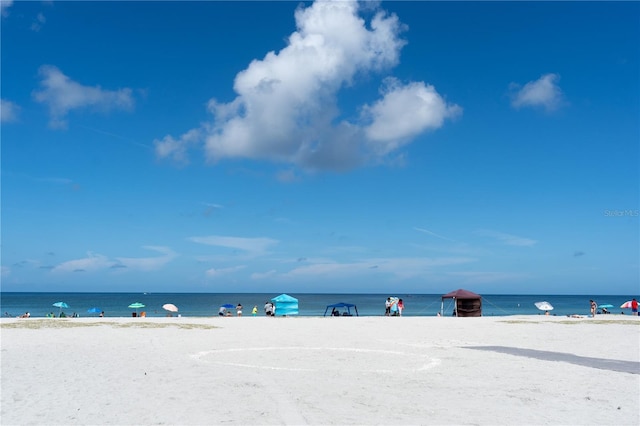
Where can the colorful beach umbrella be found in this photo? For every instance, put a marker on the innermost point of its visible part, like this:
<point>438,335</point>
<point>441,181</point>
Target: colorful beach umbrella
<point>626,305</point>
<point>544,306</point>
<point>64,305</point>
<point>94,310</point>
<point>136,306</point>
<point>170,307</point>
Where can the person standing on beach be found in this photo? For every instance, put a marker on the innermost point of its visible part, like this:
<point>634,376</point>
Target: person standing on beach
<point>239,310</point>
<point>387,307</point>
<point>634,307</point>
<point>254,311</point>
<point>400,307</point>
<point>594,306</point>
<point>394,307</point>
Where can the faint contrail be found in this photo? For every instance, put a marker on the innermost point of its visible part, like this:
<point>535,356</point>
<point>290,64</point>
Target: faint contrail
<point>102,132</point>
<point>433,234</point>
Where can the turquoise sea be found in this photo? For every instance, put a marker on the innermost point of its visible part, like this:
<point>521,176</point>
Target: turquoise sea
<point>207,304</point>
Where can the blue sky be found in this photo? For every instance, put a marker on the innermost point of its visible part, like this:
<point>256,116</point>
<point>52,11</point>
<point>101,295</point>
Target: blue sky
<point>394,147</point>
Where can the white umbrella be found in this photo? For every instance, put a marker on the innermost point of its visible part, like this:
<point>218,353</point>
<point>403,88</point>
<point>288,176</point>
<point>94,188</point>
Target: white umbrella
<point>170,307</point>
<point>626,305</point>
<point>544,306</point>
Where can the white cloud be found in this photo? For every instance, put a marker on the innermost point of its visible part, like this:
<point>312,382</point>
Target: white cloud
<point>483,277</point>
<point>287,176</point>
<point>508,239</point>
<point>252,245</point>
<point>263,275</point>
<point>404,112</point>
<point>149,263</point>
<point>543,92</point>
<point>218,272</point>
<point>4,7</point>
<point>8,111</point>
<point>93,262</point>
<point>97,262</point>
<point>37,24</point>
<point>286,105</point>
<point>176,149</point>
<point>433,234</point>
<point>61,95</point>
<point>399,268</point>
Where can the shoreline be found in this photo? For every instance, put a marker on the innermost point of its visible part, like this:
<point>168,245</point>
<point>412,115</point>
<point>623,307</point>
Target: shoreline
<point>599,317</point>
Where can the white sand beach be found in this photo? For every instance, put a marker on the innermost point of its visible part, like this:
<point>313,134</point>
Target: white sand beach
<point>530,370</point>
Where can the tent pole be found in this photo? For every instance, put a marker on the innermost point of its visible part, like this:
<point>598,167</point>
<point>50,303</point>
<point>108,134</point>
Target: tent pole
<point>442,308</point>
<point>455,306</point>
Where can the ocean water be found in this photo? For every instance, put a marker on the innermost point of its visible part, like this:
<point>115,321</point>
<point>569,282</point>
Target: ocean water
<point>207,304</point>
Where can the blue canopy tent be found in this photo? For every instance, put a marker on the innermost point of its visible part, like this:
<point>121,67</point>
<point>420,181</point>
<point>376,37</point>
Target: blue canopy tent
<point>336,306</point>
<point>285,305</point>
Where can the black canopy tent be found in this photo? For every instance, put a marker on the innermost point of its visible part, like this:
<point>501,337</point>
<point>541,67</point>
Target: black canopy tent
<point>347,313</point>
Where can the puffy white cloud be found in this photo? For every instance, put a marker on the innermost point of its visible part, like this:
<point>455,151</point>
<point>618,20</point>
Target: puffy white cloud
<point>61,95</point>
<point>8,111</point>
<point>286,105</point>
<point>404,112</point>
<point>176,149</point>
<point>543,92</point>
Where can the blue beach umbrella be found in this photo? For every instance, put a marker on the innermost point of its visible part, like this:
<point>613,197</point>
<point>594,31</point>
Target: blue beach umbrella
<point>228,306</point>
<point>606,306</point>
<point>60,305</point>
<point>94,310</point>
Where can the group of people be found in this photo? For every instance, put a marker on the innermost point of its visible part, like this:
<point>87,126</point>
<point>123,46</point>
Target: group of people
<point>604,310</point>
<point>62,315</point>
<point>393,307</point>
<point>224,312</point>
<point>269,309</point>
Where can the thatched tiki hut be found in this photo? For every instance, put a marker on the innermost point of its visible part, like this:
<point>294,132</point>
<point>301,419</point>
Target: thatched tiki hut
<point>465,303</point>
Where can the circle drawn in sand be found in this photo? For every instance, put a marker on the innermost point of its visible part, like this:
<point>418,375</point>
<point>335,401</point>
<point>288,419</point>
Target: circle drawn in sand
<point>315,359</point>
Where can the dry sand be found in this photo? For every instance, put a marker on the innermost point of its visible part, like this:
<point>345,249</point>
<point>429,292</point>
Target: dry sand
<point>529,370</point>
